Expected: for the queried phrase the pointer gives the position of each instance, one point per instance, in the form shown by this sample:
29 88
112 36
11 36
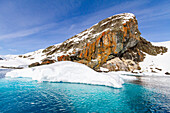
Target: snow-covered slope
25 59
159 63
13 61
67 71
18 61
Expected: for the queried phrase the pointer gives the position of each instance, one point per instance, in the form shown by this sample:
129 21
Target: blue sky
29 25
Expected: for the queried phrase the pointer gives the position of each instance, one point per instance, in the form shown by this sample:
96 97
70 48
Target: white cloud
13 50
78 27
90 19
27 32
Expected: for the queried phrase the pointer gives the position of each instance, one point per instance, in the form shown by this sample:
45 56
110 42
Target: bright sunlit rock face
68 72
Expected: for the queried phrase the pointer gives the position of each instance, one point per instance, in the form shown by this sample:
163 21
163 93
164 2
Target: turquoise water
24 95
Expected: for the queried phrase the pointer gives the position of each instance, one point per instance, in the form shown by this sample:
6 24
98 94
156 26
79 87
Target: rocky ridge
114 43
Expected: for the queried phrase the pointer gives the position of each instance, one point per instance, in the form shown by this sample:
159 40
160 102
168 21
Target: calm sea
23 95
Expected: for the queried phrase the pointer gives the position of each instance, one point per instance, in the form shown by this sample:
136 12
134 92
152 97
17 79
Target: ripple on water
25 95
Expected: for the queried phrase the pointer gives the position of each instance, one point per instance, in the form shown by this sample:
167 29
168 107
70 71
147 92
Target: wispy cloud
146 17
124 7
154 13
13 50
79 26
27 32
82 22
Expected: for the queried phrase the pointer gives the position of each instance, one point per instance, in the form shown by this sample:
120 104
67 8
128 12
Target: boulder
147 47
34 64
43 62
118 64
167 73
47 61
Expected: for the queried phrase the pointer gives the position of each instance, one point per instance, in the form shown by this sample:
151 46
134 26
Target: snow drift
67 71
160 64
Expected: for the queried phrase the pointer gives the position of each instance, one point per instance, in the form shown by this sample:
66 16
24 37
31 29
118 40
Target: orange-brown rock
47 61
114 37
105 46
34 64
44 62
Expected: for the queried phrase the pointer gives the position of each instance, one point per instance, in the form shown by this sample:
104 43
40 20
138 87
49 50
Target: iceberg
67 71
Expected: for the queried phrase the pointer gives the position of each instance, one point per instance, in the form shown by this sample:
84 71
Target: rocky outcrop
128 61
167 73
43 62
138 52
10 67
34 64
115 36
118 64
1 59
47 61
113 43
147 47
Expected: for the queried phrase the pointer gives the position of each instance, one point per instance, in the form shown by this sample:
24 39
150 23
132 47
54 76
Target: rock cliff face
113 43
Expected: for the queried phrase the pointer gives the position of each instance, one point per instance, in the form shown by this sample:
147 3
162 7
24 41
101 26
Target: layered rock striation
113 43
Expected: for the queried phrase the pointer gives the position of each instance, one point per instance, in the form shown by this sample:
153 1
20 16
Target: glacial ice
66 71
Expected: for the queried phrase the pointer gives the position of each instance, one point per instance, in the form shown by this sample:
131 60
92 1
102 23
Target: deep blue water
24 95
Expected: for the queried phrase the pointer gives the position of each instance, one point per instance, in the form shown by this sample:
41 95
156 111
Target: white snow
104 69
159 61
125 16
26 59
128 17
13 61
67 71
16 61
104 23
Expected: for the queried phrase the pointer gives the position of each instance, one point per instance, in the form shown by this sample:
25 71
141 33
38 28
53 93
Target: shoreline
6 67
